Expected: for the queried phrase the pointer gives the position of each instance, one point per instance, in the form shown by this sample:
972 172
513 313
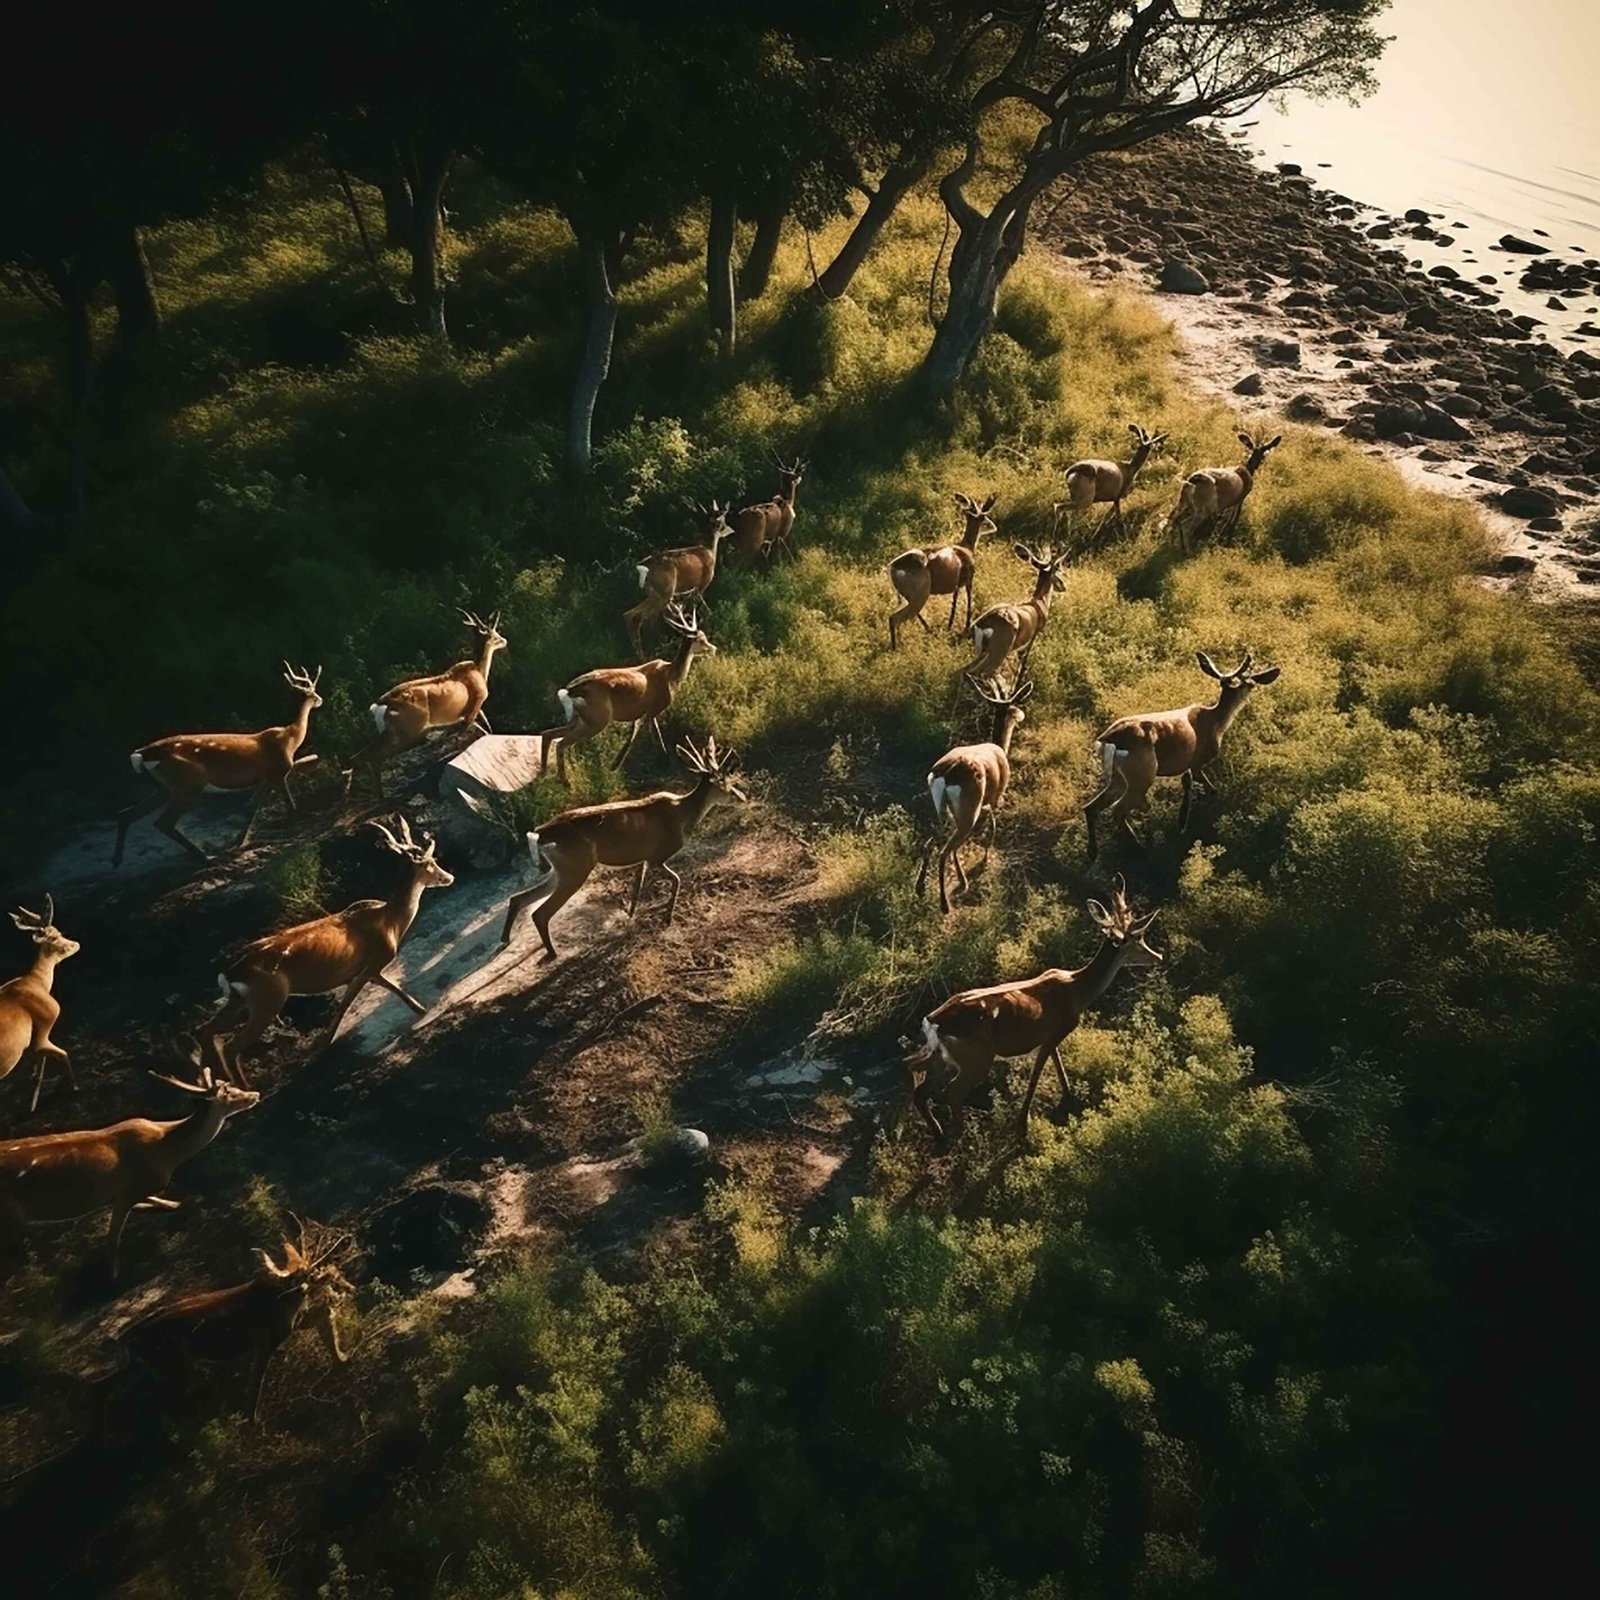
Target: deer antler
32 921
405 845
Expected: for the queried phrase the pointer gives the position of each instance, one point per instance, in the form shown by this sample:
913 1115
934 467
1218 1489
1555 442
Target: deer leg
1207 782
967 623
955 596
944 873
262 1363
130 815
546 738
288 794
638 884
672 899
661 738
1188 800
481 720
1111 794
988 843
633 733
548 908
1033 1085
258 798
233 1012
955 856
41 1056
346 1000
119 1220
1061 1071
167 822
384 981
517 904
904 614
927 857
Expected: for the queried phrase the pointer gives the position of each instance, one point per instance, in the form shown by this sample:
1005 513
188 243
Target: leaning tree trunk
756 273
128 268
884 201
600 301
426 173
720 298
397 222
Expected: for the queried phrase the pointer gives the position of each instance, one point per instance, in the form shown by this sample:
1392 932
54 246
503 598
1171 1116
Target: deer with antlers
641 833
968 783
1211 499
28 1010
760 528
1015 625
406 714
634 695
348 949
963 1037
253 1319
675 576
188 765
1094 482
55 1177
919 574
1135 751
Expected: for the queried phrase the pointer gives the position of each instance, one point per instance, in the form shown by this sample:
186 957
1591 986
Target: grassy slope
1213 1323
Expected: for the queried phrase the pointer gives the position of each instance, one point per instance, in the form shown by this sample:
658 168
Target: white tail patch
930 1034
533 847
945 795
568 710
644 577
380 715
139 764
1108 755
981 636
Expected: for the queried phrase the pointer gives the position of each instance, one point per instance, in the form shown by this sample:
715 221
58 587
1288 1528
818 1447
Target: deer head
791 473
1046 564
713 519
716 767
1258 449
418 854
976 513
489 635
1239 683
303 683
686 624
1123 929
41 928
215 1091
1145 444
1007 703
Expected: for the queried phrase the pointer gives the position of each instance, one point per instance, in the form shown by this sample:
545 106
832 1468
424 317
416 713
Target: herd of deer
125 1167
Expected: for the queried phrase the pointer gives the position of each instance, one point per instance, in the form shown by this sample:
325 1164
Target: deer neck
190 1136
1042 591
401 911
1247 472
1229 703
1092 981
1004 728
695 804
1130 467
43 970
301 726
789 493
973 534
679 670
486 660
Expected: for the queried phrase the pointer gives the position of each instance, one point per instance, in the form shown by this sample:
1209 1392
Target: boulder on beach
1250 383
1417 214
1509 241
1519 501
1178 277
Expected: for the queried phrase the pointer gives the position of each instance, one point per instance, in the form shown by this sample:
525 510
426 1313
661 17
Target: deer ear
1247 441
1266 675
988 505
1207 665
1274 443
1136 431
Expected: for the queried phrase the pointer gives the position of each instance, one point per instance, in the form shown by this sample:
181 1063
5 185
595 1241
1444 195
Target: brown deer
1094 482
634 695
963 1037
941 569
1211 499
187 765
1135 751
968 784
348 950
28 1010
1015 625
641 833
252 1319
758 528
406 714
675 576
55 1177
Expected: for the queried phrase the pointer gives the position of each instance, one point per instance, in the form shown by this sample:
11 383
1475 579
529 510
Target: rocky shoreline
1294 297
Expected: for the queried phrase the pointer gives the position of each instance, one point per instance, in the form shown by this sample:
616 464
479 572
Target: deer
347 949
634 695
1211 499
642 834
967 784
1135 751
1094 482
757 528
188 765
28 1010
963 1037
672 576
252 1319
1015 625
927 570
54 1177
406 714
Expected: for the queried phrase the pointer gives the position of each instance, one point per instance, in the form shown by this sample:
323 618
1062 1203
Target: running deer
634 695
963 1037
940 569
968 783
1094 482
251 1319
55 1177
1017 624
347 949
674 576
28 1010
188 765
641 833
1135 751
1211 499
756 529
409 712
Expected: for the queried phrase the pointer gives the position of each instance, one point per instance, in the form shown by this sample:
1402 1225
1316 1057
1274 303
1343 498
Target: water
1487 112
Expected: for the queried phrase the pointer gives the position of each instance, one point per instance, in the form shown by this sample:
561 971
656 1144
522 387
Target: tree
1101 76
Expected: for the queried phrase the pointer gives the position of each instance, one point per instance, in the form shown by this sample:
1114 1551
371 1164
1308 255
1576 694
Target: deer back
219 1324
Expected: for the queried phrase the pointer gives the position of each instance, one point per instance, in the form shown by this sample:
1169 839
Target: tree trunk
600 301
426 175
756 272
396 205
138 315
720 300
74 281
892 188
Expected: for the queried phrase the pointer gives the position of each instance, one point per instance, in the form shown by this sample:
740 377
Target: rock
1360 429
680 1153
1442 271
431 1229
1301 297
1556 305
1305 408
1487 277
1344 336
1250 383
1546 525
1178 277
1527 502
1484 470
1290 169
1510 564
1284 351
494 763
1509 241
1416 417
1460 405
1417 214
